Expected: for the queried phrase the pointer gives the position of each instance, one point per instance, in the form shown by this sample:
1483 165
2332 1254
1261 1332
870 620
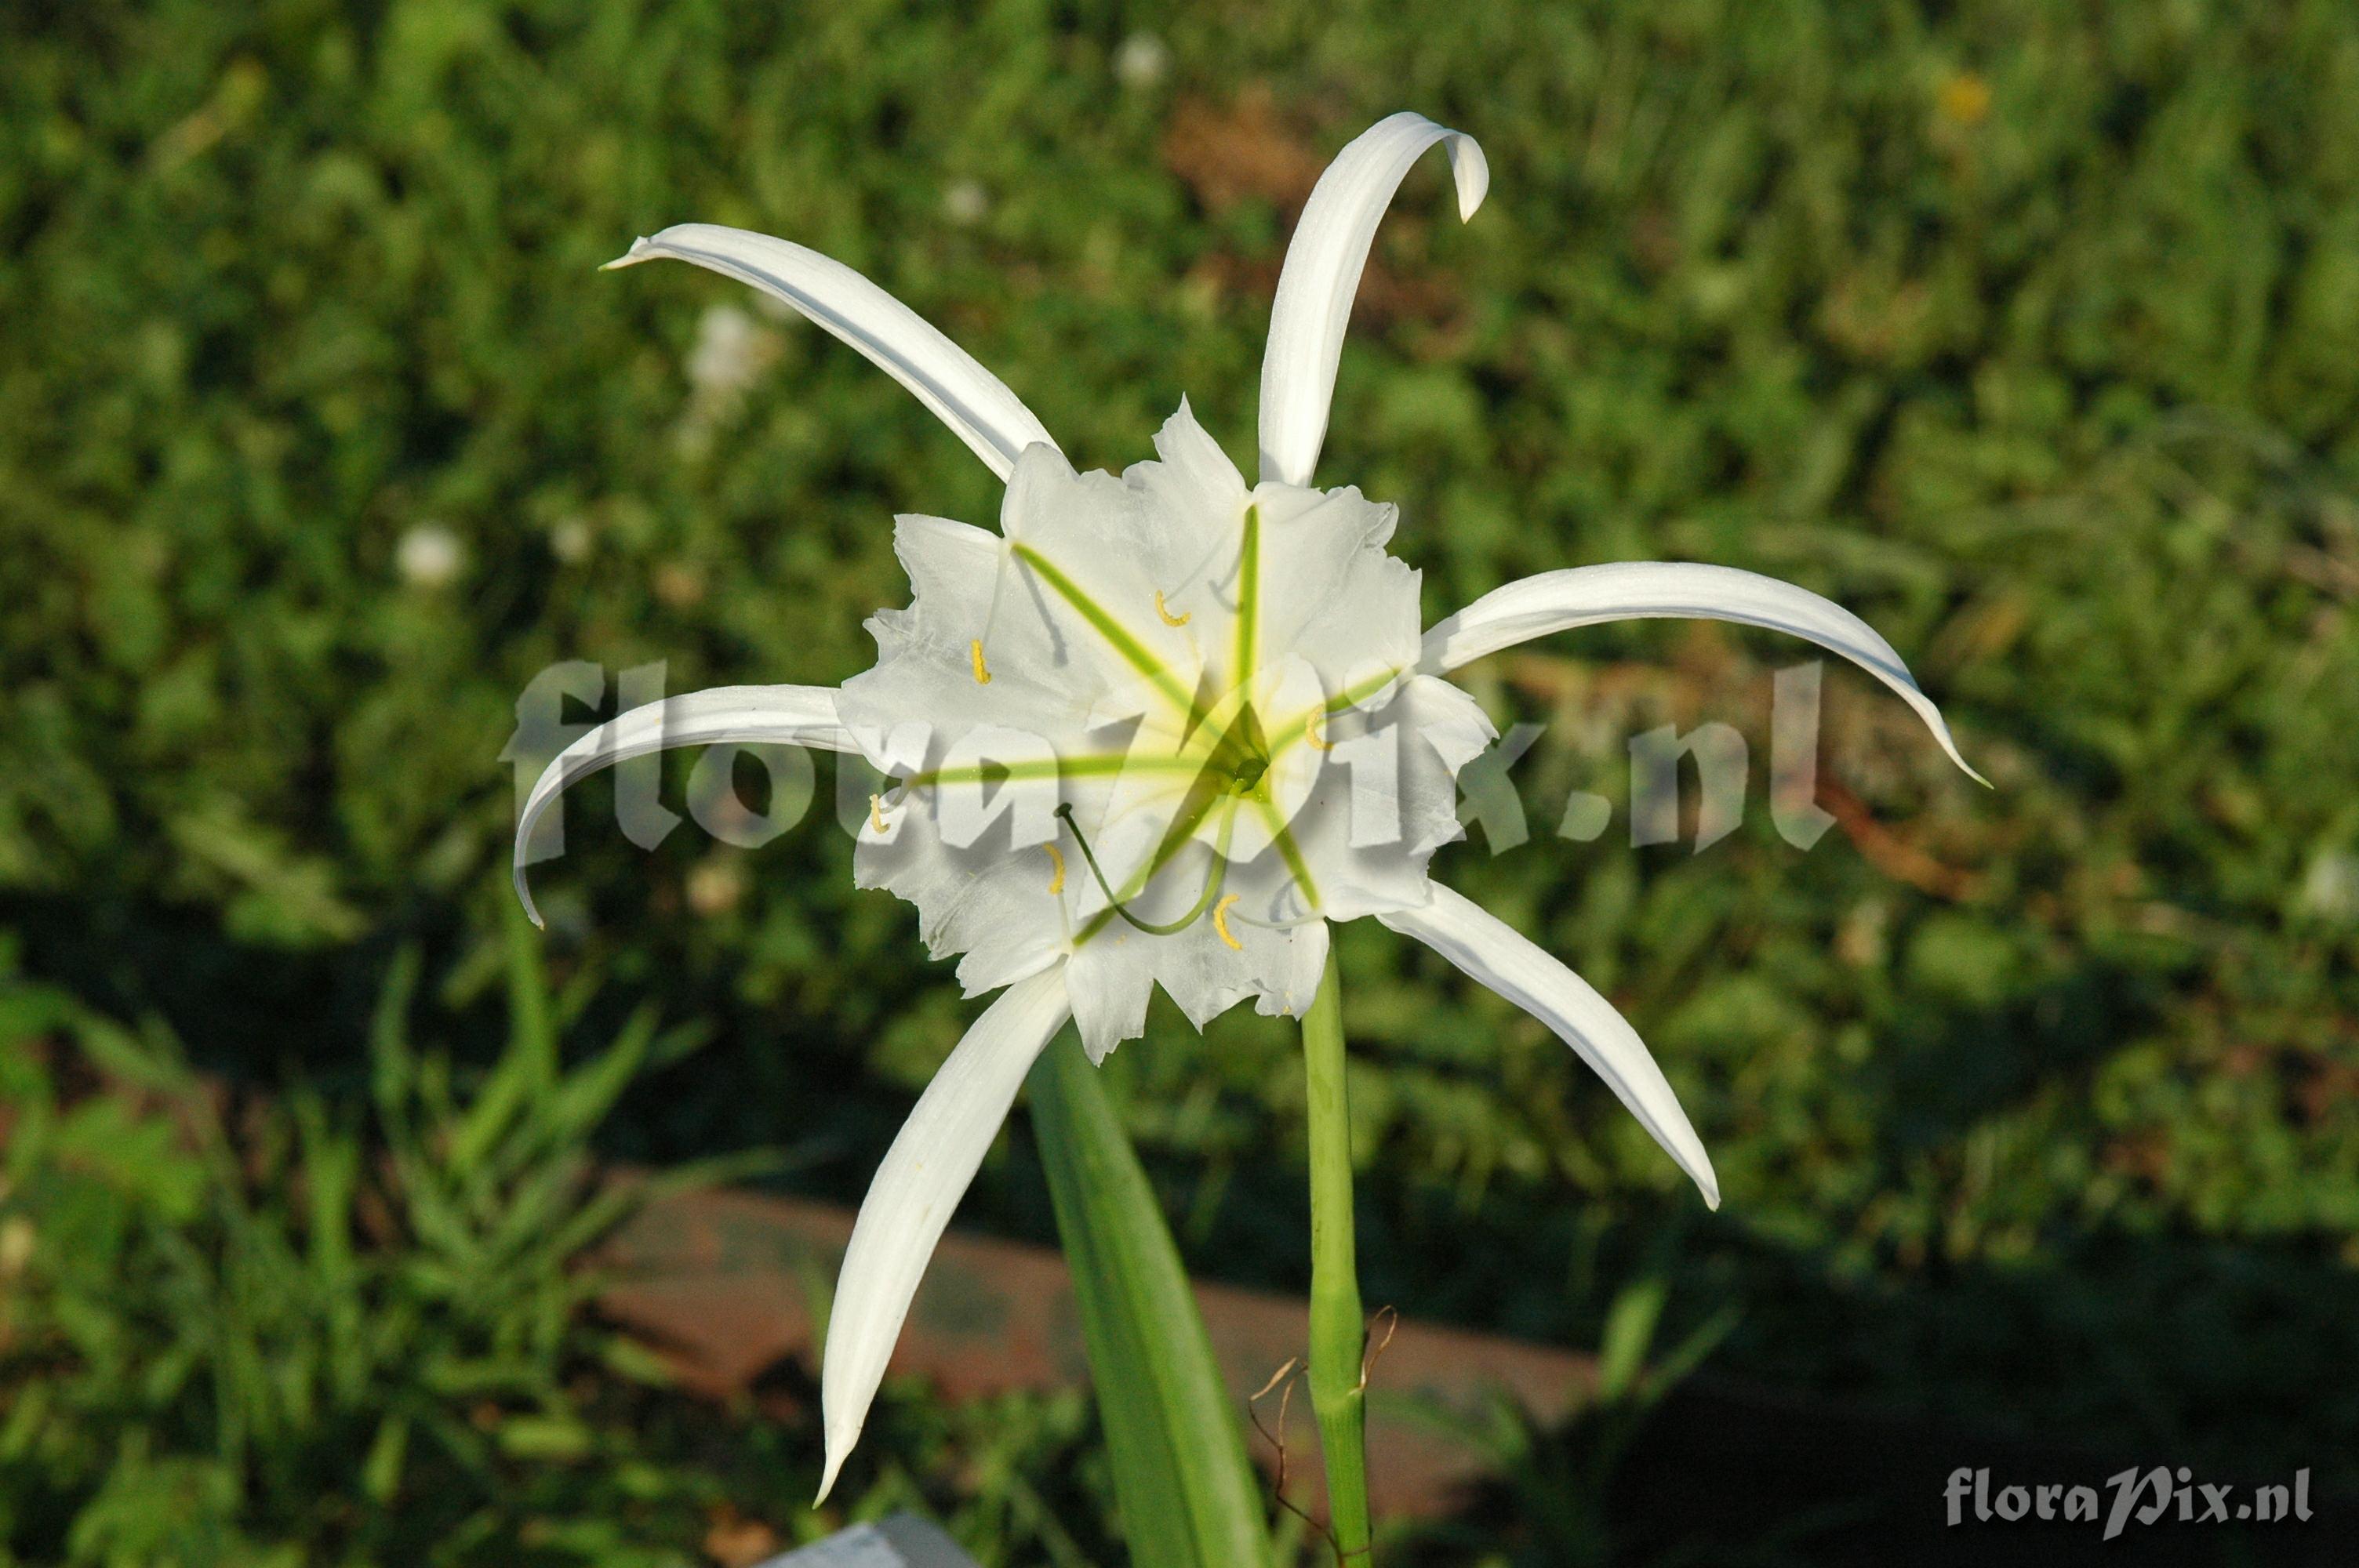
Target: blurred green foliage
267 1332
2024 327
248 1333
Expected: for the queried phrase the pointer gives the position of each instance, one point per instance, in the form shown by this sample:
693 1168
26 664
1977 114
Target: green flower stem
1338 1327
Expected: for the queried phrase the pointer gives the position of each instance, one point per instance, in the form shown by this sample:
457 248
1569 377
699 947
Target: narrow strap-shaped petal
1495 953
1636 590
925 1173
784 715
975 404
1322 273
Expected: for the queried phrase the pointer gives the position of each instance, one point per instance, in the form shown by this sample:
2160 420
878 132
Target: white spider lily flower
1159 730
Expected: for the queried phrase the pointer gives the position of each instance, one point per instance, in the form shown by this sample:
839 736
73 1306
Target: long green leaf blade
1189 1498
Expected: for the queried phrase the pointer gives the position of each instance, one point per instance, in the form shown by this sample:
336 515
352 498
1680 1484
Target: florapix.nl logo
2137 1497
552 716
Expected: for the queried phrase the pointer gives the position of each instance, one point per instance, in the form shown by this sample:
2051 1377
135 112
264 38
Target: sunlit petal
1495 953
780 715
924 1174
975 404
1634 591
1322 273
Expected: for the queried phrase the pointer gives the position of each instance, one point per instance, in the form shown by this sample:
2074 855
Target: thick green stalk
1338 1328
1189 1498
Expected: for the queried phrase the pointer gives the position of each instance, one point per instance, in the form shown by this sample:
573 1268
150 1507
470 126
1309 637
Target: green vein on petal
1288 850
1287 734
1133 653
1098 766
1248 598
1353 695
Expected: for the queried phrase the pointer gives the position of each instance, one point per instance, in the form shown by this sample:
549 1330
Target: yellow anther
876 816
1311 731
1056 884
982 670
1221 921
1169 619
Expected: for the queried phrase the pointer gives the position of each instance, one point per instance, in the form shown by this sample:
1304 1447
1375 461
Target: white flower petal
1497 954
1330 592
1196 482
1322 273
1348 607
928 1170
999 905
781 715
969 590
1633 590
975 404
1383 797
1110 979
1111 974
988 905
1088 546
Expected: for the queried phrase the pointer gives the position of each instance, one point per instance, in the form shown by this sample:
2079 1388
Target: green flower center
1238 762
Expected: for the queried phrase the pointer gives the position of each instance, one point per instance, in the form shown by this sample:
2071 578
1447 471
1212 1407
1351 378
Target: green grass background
2029 332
